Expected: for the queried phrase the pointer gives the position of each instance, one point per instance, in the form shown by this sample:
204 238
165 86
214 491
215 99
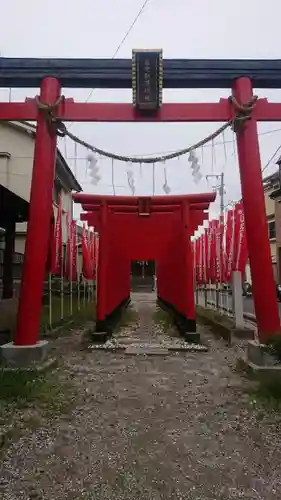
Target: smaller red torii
92 218
146 228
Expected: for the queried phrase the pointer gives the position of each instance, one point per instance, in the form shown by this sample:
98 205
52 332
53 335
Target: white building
17 141
16 160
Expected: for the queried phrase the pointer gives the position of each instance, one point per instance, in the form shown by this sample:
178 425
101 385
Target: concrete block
255 353
129 340
99 336
271 369
243 333
24 356
192 337
258 356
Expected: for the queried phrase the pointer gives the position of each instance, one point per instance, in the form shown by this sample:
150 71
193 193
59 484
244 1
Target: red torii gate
199 213
50 75
146 228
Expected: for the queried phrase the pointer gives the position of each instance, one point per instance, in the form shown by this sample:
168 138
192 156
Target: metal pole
219 188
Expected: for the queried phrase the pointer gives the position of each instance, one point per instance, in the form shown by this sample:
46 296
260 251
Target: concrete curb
227 332
251 317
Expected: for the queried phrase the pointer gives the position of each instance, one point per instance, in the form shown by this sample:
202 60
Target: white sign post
237 295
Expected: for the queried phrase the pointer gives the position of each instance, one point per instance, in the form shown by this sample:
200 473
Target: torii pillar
264 293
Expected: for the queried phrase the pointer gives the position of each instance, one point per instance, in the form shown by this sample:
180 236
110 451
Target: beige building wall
270 207
269 203
16 170
273 214
16 162
22 227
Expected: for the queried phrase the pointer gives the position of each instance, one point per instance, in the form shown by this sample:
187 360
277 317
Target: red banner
219 260
71 250
68 262
213 269
200 261
74 275
222 252
240 247
92 254
235 242
208 252
97 251
56 255
52 247
86 266
196 258
216 258
205 247
229 243
193 256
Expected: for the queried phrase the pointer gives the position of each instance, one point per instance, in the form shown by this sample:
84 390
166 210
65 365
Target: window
271 230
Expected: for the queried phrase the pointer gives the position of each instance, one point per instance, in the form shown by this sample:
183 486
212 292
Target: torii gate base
146 228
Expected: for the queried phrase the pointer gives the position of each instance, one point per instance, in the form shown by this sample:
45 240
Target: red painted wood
71 111
40 213
264 292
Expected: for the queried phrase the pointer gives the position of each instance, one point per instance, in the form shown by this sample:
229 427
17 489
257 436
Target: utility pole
220 188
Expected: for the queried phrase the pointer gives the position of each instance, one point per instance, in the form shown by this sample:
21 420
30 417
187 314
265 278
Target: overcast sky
183 29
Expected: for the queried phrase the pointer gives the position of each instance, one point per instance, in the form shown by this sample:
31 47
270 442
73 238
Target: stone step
150 348
147 350
132 340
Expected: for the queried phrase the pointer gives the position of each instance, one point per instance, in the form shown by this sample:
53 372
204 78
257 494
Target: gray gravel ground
174 427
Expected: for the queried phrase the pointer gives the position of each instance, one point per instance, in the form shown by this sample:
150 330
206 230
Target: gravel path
168 427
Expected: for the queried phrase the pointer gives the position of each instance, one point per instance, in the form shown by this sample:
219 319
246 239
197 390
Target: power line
271 158
124 38
130 28
220 143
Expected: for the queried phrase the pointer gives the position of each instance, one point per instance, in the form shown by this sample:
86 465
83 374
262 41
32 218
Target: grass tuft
69 322
27 398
